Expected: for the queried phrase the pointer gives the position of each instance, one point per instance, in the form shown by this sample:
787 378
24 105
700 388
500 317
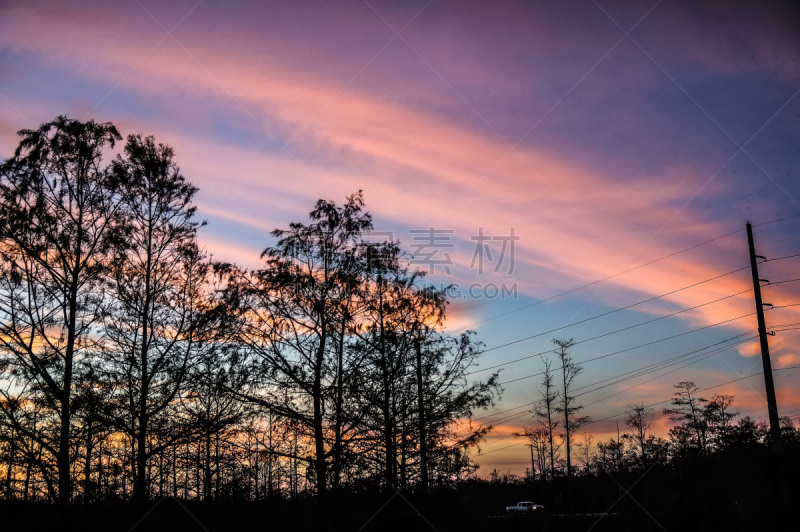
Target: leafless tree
546 413
567 405
640 418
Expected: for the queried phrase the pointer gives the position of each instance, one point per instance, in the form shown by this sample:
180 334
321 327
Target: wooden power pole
772 403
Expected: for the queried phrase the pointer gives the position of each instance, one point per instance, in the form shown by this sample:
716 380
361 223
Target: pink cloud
413 164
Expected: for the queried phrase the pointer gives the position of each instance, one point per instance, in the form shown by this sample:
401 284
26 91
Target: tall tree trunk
337 446
62 457
87 468
256 473
217 468
319 435
27 484
403 440
567 428
11 454
423 438
161 474
207 469
386 400
269 464
533 464
175 471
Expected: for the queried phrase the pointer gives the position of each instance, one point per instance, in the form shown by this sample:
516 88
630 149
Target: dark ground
472 506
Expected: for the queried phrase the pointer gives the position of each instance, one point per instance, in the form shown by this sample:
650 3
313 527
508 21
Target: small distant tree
567 405
586 453
538 443
640 418
609 454
545 413
690 412
719 418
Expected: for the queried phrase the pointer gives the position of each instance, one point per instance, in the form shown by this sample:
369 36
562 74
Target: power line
698 354
633 305
698 391
627 271
641 371
654 404
605 278
648 369
635 347
781 258
618 330
660 365
624 308
781 282
503 364
700 358
461 434
506 410
501 448
776 328
775 221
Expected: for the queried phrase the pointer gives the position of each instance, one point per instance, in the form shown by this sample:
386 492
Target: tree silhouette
545 412
689 409
155 284
640 418
567 405
58 209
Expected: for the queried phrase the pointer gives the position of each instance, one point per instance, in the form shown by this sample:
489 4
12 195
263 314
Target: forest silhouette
145 384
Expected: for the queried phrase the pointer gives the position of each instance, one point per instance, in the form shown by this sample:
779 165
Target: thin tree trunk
423 438
319 433
87 471
12 453
26 486
269 464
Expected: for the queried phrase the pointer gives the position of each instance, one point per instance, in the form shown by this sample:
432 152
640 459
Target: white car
524 506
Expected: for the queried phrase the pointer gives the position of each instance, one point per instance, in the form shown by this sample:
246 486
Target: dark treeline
714 471
133 366
319 390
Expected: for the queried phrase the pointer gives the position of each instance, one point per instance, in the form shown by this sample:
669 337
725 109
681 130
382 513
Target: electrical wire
636 347
605 278
698 355
639 303
626 271
698 391
619 330
625 307
640 372
658 403
699 359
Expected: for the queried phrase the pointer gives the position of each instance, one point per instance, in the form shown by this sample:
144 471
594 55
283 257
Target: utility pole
772 403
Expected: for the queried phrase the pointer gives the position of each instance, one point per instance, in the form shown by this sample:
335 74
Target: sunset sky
606 134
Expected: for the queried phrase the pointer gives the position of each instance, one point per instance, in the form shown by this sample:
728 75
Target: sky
625 144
